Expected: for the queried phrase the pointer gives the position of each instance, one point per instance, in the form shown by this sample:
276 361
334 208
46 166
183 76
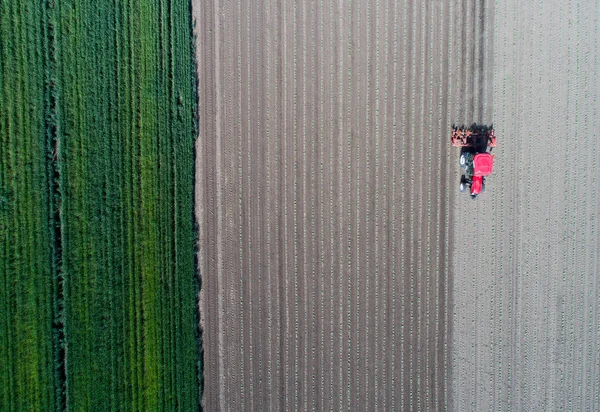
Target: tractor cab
483 163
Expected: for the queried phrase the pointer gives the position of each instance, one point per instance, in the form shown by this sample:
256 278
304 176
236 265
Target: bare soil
340 267
526 262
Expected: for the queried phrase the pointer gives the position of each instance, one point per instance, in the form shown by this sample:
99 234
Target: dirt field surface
323 193
341 268
526 269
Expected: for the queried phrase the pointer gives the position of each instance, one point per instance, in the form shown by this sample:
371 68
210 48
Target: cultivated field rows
526 332
323 198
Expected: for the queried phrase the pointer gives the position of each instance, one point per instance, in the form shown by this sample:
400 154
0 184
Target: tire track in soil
471 105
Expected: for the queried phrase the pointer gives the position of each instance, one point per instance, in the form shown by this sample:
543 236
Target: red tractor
475 159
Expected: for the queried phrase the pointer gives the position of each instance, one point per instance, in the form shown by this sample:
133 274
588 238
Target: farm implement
476 161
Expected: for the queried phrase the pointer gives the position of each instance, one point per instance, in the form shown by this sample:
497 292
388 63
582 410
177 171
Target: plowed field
341 268
325 183
526 262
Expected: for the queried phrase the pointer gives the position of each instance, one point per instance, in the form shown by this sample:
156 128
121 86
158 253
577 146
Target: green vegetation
96 206
26 235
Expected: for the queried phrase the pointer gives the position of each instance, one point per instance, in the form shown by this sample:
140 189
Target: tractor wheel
463 161
483 188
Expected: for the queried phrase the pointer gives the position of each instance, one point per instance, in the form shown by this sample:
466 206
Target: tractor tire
483 188
463 161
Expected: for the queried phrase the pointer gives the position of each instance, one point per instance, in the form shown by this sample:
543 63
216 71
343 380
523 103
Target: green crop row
98 294
26 235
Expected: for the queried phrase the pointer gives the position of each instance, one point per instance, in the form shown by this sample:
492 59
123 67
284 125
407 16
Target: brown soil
526 267
332 273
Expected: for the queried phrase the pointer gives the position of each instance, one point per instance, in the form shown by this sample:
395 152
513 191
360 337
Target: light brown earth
526 266
338 268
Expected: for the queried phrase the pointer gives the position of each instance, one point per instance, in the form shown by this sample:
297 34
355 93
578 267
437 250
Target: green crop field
98 287
27 269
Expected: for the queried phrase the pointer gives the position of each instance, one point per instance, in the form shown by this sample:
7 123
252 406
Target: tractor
476 159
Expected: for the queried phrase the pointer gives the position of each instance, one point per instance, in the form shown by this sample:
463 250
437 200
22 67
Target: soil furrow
327 212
